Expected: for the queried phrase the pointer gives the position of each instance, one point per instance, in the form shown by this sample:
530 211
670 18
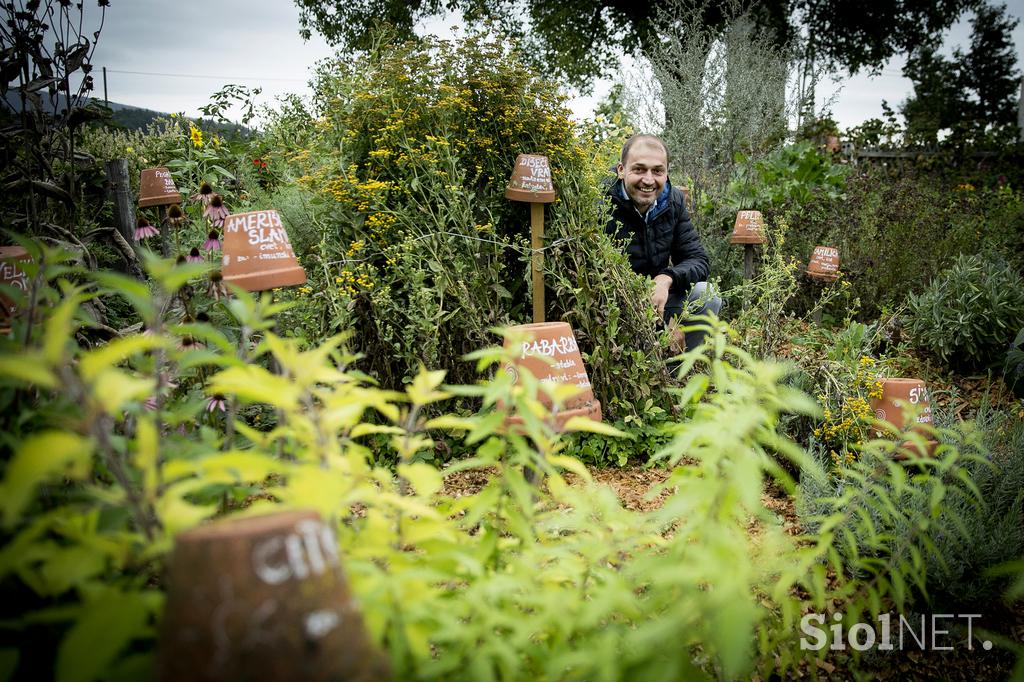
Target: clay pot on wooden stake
257 254
549 352
157 188
531 182
824 264
262 598
823 268
748 230
13 276
899 398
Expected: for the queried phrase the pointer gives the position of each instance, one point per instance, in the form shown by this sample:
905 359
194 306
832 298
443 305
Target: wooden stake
165 232
748 261
537 243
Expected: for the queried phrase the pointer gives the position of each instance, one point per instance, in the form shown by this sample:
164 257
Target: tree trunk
117 175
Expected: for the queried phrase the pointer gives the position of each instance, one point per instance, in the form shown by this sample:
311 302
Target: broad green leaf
253 384
60 328
29 367
422 389
570 463
104 629
39 458
70 566
424 478
366 429
450 422
116 352
134 291
178 514
147 450
113 388
587 424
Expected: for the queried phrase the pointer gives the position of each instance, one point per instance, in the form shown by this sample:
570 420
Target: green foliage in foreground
103 464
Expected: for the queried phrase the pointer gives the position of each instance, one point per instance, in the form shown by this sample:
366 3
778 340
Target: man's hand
659 297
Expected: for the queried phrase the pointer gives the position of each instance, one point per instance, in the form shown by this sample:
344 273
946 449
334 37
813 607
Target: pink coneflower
150 403
175 216
194 256
212 242
216 211
217 401
215 288
144 230
204 194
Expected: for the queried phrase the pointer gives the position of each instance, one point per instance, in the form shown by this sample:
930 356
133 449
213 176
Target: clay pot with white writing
257 254
824 264
903 400
13 276
549 352
531 180
157 188
262 598
748 228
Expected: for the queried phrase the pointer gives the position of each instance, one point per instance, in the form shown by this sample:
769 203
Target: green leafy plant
969 314
408 236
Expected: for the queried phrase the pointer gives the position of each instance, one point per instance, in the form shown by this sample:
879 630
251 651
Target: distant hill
133 117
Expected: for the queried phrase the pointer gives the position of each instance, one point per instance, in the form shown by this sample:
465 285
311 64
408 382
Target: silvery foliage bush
969 314
719 99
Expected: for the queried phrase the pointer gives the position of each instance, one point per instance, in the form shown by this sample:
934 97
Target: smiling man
651 217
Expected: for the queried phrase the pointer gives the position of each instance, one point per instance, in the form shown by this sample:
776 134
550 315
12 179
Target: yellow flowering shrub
847 418
406 155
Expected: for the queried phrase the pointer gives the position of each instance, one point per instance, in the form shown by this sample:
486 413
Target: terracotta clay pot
749 228
549 352
899 395
12 276
824 264
531 180
157 188
262 598
257 254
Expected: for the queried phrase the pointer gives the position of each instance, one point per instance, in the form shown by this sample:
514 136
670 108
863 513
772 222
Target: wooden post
165 231
748 261
117 176
537 243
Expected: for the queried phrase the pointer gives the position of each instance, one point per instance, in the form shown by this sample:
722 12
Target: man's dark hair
643 138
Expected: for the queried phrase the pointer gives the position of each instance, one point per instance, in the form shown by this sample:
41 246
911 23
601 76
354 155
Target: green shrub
969 314
953 547
410 242
895 233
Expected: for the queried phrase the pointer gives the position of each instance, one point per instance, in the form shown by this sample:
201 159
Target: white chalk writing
309 550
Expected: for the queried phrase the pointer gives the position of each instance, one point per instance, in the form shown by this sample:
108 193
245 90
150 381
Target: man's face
644 173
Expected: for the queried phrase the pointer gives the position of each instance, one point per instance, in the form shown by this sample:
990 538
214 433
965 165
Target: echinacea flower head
194 256
215 288
204 194
216 211
175 216
144 230
212 242
180 259
217 401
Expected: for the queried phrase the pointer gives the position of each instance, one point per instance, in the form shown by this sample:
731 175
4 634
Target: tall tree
579 40
970 92
990 68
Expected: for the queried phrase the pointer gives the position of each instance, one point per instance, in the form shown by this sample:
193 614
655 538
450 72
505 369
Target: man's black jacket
663 242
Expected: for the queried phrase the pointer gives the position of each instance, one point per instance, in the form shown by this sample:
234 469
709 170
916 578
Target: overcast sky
171 56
